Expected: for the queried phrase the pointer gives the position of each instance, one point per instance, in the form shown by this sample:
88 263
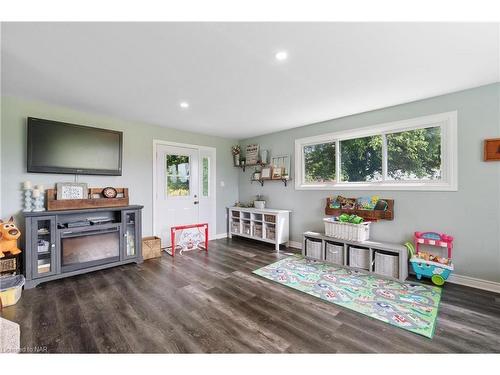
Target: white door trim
213 216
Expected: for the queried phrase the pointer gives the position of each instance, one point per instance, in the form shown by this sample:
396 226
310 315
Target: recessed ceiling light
184 105
281 55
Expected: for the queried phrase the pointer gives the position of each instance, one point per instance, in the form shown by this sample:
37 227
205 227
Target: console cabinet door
44 248
131 234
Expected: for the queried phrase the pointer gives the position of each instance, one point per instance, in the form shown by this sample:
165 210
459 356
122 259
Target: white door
185 189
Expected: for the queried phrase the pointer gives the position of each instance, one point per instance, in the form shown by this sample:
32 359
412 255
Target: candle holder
28 200
38 201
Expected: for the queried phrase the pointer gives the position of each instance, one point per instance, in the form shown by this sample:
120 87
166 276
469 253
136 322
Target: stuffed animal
8 238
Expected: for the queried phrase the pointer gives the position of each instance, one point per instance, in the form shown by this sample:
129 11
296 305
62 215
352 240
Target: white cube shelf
267 225
384 258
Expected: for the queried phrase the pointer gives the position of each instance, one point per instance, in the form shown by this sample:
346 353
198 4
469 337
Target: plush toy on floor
8 237
427 264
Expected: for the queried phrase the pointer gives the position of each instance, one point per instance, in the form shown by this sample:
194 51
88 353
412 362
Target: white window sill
410 186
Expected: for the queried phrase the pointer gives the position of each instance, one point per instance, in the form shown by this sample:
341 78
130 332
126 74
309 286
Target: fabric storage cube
236 213
270 218
387 264
235 227
270 232
334 253
313 249
257 230
246 228
359 257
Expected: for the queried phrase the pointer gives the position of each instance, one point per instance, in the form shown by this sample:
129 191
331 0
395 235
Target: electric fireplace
87 248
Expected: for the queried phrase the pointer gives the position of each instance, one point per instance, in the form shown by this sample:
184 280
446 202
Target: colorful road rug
413 307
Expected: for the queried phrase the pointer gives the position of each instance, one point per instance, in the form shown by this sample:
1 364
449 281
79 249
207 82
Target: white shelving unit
267 225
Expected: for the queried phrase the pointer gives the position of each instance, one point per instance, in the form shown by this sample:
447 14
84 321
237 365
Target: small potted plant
236 151
259 202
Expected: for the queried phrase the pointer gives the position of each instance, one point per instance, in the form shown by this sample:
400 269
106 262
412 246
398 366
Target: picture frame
277 173
252 154
492 149
266 173
72 190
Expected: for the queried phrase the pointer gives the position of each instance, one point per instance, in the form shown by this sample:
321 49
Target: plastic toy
429 265
9 235
353 219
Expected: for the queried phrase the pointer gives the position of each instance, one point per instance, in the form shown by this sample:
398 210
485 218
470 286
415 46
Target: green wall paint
137 158
472 214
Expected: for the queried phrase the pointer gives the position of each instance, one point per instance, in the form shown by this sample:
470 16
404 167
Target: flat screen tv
57 147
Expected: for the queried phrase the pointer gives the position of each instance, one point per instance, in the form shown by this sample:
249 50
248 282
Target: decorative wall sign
265 173
252 154
277 173
492 149
72 190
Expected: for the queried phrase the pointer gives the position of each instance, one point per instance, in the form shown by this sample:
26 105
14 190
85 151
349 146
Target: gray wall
472 214
137 158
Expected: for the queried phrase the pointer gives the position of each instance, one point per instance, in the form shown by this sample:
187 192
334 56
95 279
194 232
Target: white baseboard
295 244
219 236
472 282
491 286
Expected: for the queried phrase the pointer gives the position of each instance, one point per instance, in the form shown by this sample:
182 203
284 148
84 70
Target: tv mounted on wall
58 147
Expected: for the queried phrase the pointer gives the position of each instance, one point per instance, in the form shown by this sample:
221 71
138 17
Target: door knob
196 202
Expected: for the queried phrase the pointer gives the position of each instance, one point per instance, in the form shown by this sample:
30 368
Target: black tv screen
57 147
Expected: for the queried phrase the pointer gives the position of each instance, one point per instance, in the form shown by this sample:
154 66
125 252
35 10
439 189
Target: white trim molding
449 155
295 245
219 236
473 282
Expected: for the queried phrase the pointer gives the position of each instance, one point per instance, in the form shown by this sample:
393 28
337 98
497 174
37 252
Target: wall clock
109 192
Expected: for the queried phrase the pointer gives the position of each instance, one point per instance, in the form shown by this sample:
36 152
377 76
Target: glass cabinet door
44 251
130 245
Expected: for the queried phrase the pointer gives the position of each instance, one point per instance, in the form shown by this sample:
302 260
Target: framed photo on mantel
72 190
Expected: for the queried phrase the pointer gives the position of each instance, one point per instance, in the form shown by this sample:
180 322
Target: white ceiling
228 74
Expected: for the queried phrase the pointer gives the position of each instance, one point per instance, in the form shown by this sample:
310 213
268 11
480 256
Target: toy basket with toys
437 268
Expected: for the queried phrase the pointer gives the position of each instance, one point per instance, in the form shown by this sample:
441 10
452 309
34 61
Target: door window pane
414 154
205 176
361 159
177 171
319 163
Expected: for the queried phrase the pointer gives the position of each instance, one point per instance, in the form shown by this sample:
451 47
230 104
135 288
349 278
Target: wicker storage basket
334 253
7 265
313 248
347 231
387 264
359 257
151 247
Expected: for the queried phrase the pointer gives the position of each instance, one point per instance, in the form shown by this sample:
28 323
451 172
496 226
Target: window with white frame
414 154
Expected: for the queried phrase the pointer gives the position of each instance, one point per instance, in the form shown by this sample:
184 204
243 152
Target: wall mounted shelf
284 180
244 166
373 215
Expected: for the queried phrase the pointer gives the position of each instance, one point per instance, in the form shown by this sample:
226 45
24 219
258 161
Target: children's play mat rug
413 307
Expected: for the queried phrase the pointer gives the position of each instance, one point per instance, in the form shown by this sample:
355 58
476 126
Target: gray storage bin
313 249
334 253
387 264
359 257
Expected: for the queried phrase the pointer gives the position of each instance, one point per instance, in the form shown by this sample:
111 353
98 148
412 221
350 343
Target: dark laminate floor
212 303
